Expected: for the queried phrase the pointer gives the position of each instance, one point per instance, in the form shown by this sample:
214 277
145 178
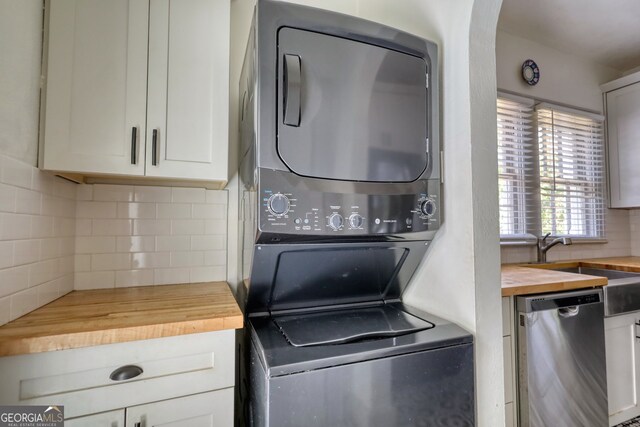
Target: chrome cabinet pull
126 372
291 90
134 145
154 148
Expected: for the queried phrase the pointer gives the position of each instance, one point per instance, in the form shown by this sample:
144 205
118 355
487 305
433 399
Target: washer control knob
278 204
427 208
356 220
336 221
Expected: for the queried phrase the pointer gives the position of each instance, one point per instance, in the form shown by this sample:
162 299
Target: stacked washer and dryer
340 191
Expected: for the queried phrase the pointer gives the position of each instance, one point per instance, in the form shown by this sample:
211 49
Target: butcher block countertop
108 316
524 279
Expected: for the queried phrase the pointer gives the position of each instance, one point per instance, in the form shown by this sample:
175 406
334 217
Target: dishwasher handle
567 312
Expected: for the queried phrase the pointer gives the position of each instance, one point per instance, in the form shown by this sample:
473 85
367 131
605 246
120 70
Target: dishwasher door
561 360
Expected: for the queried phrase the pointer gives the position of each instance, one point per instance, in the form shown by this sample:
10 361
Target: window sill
506 242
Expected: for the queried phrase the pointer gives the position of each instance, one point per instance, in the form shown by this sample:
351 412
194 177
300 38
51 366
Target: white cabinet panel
214 409
623 137
509 415
96 86
106 419
508 370
506 316
623 365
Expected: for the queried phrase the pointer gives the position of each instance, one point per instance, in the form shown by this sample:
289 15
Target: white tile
84 192
66 264
208 274
151 227
15 226
49 248
64 188
112 227
188 195
66 285
41 181
6 254
7 198
217 196
26 251
173 210
23 302
95 244
101 262
187 259
49 205
14 280
152 194
134 278
215 226
15 172
206 242
136 210
209 211
83 227
66 208
113 193
82 263
47 292
136 244
42 271
64 227
187 227
150 260
67 246
170 276
5 310
215 257
95 209
95 280
172 243
28 201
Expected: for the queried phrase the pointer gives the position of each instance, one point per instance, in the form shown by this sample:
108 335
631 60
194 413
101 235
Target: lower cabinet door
623 363
213 409
105 419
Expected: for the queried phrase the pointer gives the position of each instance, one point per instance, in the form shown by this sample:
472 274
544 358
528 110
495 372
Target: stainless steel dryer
340 191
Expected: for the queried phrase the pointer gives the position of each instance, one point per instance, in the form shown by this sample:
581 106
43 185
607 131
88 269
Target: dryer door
349 110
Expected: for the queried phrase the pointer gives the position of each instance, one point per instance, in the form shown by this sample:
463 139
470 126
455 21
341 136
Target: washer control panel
288 209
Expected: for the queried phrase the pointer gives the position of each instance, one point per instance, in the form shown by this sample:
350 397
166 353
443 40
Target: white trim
568 110
529 102
621 82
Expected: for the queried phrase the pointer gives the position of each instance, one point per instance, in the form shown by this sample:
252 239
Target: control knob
278 204
336 221
356 221
427 208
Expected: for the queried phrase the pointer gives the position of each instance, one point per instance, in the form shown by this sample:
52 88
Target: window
551 171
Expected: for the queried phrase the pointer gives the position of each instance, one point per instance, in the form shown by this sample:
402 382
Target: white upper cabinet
622 101
137 88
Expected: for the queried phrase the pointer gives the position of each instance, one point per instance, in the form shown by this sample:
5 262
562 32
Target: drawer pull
125 373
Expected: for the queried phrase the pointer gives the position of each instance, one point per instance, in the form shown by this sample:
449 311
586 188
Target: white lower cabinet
508 348
623 367
185 380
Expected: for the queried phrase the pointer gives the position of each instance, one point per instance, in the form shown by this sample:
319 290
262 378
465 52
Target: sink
622 293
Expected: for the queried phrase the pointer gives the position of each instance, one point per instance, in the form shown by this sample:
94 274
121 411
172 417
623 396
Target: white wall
564 78
20 55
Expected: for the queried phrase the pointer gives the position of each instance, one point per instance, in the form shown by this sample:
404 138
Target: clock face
530 72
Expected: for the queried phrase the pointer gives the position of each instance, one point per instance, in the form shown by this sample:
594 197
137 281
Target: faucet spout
543 247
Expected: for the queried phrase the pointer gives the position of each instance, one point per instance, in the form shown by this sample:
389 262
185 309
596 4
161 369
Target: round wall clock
530 72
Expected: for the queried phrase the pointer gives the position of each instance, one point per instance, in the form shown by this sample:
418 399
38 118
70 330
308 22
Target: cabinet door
96 86
106 419
623 136
623 367
188 89
214 409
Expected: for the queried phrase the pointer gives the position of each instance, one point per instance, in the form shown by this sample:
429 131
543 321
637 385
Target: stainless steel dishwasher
561 360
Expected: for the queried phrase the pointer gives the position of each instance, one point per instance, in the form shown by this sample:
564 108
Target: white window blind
517 169
571 159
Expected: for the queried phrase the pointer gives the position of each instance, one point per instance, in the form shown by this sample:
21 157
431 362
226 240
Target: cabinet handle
134 145
292 90
154 148
138 424
125 373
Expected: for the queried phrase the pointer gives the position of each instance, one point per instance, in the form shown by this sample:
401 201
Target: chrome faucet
543 247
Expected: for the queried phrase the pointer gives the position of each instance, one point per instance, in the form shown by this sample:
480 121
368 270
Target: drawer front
106 419
80 379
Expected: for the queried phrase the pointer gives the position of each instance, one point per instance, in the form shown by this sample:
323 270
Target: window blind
571 162
517 169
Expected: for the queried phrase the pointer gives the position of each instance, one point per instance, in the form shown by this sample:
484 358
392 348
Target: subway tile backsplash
140 235
37 228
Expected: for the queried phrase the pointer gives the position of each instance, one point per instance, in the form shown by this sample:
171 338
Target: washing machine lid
346 325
